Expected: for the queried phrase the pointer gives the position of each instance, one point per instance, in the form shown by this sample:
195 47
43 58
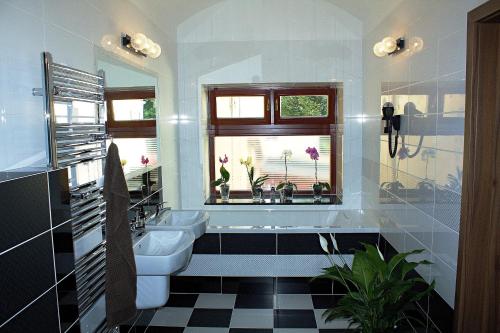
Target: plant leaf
224 173
217 182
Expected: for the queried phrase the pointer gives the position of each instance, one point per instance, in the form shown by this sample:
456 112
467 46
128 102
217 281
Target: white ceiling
168 14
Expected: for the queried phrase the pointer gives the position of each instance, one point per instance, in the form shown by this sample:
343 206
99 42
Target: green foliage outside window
149 109
304 106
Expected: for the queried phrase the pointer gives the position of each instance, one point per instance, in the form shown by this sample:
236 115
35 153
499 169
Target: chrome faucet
160 208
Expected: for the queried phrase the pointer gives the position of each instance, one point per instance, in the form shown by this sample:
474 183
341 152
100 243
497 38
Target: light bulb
146 46
416 44
155 51
138 41
379 50
390 44
108 42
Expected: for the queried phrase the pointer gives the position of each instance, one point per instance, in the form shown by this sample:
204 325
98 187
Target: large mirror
131 113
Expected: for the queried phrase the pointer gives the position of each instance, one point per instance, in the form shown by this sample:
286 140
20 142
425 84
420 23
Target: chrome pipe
50 116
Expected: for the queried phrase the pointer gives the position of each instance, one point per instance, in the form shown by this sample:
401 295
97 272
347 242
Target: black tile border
209 243
249 285
40 316
248 243
27 273
24 209
195 284
279 243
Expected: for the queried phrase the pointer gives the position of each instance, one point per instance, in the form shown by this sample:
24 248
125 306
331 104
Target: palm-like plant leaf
379 292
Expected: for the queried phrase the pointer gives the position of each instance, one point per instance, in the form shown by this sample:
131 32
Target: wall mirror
131 113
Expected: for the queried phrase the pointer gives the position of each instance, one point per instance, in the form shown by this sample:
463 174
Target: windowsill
298 200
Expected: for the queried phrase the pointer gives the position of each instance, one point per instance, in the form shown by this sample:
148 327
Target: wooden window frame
225 92
129 128
291 127
330 117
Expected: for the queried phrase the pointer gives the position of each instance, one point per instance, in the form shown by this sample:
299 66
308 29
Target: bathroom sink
158 254
163 252
193 220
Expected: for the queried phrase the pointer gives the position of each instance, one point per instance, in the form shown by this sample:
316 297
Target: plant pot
287 193
317 192
257 194
224 192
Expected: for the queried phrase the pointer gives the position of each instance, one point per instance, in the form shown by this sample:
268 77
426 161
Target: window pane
134 109
132 149
240 106
304 106
266 154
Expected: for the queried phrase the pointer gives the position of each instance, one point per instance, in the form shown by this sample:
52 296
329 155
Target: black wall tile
303 285
195 284
63 250
207 244
440 313
41 316
248 285
24 208
301 244
248 243
59 196
349 242
68 301
27 272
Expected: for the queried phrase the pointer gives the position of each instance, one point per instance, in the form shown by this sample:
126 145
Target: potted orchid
224 178
255 184
317 186
286 188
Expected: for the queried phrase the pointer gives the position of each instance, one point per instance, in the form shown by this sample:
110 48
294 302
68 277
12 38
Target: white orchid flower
324 243
334 241
287 153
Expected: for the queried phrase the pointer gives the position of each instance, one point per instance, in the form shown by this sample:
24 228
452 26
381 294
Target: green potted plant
224 178
255 184
317 186
286 188
379 293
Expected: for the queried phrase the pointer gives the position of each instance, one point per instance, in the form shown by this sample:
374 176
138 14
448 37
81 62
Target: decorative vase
317 192
287 193
257 194
224 192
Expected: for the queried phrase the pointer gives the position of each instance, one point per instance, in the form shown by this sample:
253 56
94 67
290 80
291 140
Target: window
131 112
261 123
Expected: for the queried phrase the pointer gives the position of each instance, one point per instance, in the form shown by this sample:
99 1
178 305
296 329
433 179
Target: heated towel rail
74 110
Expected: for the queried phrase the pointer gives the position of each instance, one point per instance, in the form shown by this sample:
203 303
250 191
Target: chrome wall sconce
389 46
141 45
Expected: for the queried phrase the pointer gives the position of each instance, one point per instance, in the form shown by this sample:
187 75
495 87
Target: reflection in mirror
433 119
131 113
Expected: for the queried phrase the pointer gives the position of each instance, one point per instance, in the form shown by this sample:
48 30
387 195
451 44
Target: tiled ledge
293 229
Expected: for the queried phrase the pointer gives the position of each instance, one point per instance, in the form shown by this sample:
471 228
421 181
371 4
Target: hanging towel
121 278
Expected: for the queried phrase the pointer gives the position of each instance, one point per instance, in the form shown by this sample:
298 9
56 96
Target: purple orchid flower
313 153
144 160
225 160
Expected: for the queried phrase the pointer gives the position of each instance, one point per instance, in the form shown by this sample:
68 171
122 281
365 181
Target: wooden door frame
477 299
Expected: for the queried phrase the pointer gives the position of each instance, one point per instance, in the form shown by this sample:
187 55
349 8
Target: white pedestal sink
193 220
158 254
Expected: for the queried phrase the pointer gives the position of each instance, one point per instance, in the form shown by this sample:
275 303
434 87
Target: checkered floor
245 313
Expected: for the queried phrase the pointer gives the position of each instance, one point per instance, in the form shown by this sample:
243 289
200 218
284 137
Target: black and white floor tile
245 313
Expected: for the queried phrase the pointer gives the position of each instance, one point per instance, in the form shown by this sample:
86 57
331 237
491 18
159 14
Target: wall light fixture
141 45
388 46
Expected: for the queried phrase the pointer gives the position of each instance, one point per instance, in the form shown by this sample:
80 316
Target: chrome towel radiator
74 110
